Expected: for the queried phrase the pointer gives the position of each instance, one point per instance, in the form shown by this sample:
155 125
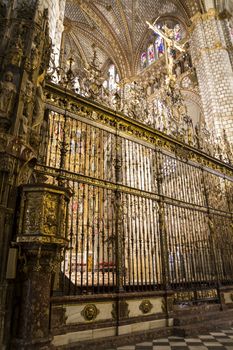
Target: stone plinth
41 236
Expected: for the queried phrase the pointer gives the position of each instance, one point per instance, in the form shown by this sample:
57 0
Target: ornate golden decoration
90 312
196 18
145 306
207 294
127 126
200 294
184 296
182 153
209 15
43 214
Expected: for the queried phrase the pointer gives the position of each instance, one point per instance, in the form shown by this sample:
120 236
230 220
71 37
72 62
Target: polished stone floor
221 340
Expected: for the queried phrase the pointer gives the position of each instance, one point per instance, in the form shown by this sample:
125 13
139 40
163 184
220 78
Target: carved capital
200 18
196 18
210 14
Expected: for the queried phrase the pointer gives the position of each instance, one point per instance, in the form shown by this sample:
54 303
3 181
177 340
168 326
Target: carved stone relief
90 312
145 306
7 97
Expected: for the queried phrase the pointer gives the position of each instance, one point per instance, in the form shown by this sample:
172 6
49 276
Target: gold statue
170 44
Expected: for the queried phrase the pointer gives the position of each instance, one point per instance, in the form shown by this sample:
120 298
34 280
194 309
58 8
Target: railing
148 212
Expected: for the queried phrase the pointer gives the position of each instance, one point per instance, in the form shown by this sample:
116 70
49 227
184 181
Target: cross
170 42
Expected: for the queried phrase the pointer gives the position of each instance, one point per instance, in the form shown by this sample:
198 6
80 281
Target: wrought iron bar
162 226
153 231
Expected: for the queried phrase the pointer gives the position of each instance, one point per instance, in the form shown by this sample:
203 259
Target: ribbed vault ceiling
117 28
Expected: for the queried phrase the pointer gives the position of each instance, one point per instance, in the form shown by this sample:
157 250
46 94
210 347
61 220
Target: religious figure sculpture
23 127
171 38
27 99
35 54
15 53
7 95
39 104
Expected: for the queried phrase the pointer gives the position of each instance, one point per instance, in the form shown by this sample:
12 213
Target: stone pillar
42 235
24 56
211 56
162 226
56 12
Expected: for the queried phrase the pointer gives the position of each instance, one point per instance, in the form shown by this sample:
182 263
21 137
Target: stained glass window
159 46
113 78
151 54
156 49
177 32
143 60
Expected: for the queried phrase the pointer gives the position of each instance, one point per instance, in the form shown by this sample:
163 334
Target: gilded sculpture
169 36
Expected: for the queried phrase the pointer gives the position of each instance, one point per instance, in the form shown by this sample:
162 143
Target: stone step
218 321
203 308
195 318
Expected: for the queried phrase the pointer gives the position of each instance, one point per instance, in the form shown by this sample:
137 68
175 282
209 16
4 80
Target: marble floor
221 340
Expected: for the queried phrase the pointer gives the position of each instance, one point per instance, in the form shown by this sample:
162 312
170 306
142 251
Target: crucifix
170 44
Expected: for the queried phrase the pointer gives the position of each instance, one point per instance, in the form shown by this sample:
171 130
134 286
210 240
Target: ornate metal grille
147 213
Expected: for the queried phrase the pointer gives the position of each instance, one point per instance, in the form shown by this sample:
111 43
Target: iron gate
147 213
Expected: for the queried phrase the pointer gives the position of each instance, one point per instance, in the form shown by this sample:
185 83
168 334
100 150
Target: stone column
211 56
24 56
41 237
56 13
